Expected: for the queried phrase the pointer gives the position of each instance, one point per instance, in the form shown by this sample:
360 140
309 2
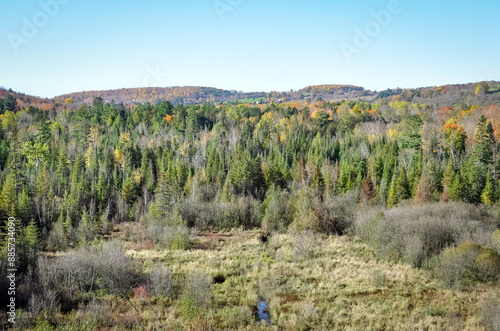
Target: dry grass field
308 282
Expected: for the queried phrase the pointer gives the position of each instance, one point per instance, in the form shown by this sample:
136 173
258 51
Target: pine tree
476 182
30 243
130 190
163 196
4 153
399 188
25 207
488 195
456 188
392 198
101 189
8 204
485 141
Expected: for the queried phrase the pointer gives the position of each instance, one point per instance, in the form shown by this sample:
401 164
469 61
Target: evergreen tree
10 104
398 190
8 203
488 195
485 141
456 188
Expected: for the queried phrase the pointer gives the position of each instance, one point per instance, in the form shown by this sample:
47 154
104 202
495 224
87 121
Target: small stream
262 312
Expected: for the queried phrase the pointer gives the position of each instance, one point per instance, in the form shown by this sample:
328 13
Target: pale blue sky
257 45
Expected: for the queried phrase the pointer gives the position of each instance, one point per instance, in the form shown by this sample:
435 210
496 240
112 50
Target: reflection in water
263 313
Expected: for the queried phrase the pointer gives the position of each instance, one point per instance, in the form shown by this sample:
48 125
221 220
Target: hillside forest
417 183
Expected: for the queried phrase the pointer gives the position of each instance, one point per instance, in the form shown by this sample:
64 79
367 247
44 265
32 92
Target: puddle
219 279
262 312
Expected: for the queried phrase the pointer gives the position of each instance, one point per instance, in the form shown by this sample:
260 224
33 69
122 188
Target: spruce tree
8 203
488 195
456 188
398 190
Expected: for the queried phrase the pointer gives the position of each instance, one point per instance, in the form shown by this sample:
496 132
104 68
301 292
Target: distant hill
24 100
197 94
187 95
483 93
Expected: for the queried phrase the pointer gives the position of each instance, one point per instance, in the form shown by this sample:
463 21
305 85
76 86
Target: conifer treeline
67 175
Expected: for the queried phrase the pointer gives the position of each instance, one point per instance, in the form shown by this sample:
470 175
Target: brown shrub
491 312
416 233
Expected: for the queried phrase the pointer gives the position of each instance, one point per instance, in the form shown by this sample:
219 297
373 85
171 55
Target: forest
188 217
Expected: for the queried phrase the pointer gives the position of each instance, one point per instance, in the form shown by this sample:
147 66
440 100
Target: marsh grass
339 285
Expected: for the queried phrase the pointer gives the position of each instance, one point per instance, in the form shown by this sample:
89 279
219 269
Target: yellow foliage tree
169 119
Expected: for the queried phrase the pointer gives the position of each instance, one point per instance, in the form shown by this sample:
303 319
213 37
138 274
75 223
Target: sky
52 47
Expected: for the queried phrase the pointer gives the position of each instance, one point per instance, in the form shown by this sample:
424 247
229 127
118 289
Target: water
263 313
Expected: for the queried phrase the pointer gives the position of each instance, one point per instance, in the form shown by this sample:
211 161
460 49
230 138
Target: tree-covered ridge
199 95
483 93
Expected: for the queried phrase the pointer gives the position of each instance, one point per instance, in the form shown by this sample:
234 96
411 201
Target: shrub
337 213
97 314
57 238
467 263
456 264
416 233
161 282
379 278
181 239
274 207
141 292
488 264
117 272
88 269
491 312
49 291
235 317
171 233
197 294
302 207
305 243
81 266
495 240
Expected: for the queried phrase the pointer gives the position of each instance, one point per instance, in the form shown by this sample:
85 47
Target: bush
197 294
181 239
49 289
274 207
57 238
495 240
305 243
416 233
161 282
469 262
171 233
88 269
97 314
337 213
456 264
491 312
488 264
117 272
235 317
303 206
